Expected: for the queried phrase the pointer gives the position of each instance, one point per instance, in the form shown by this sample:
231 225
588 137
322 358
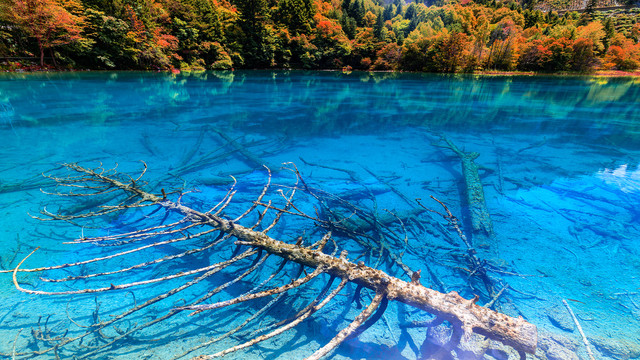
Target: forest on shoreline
431 36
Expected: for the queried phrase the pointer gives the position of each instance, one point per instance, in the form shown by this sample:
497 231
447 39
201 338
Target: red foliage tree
534 56
48 21
623 54
151 42
388 57
561 53
620 58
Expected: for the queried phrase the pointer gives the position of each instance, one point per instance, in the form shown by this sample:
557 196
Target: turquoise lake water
558 162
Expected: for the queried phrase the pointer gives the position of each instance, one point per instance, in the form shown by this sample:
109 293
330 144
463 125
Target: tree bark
41 52
53 58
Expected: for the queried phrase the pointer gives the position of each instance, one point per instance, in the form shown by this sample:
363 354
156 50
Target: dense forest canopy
437 36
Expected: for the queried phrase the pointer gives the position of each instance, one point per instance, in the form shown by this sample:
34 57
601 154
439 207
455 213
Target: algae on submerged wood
481 224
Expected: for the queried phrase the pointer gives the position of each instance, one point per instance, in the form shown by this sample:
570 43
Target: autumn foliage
50 23
434 36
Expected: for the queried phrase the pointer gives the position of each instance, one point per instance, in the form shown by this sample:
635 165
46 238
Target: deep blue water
558 160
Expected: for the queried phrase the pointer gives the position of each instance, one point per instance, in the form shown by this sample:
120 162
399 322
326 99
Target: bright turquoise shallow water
558 162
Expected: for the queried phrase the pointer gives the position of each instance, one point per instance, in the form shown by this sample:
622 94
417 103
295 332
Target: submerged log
480 218
250 158
361 225
515 332
464 315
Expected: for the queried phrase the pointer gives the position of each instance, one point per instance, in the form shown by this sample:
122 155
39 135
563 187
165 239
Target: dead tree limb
480 217
360 221
465 316
575 321
251 158
349 330
478 266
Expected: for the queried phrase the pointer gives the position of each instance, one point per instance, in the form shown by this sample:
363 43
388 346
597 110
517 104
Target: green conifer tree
610 31
398 4
296 15
253 15
377 28
388 12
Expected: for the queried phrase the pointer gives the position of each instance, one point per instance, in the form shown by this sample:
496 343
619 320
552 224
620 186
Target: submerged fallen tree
465 316
480 218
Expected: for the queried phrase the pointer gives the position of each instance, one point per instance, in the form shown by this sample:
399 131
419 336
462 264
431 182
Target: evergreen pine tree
411 12
587 15
398 4
356 11
377 28
610 31
349 26
388 12
252 18
295 15
346 5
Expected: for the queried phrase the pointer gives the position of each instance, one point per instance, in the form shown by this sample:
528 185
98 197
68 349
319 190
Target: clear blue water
558 162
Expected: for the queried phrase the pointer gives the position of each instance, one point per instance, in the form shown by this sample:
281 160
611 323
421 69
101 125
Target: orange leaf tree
47 21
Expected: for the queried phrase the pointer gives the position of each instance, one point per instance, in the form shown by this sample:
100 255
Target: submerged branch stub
465 315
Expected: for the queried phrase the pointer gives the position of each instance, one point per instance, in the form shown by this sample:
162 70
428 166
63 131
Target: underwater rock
560 319
556 352
498 351
437 337
622 349
557 347
550 347
473 348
